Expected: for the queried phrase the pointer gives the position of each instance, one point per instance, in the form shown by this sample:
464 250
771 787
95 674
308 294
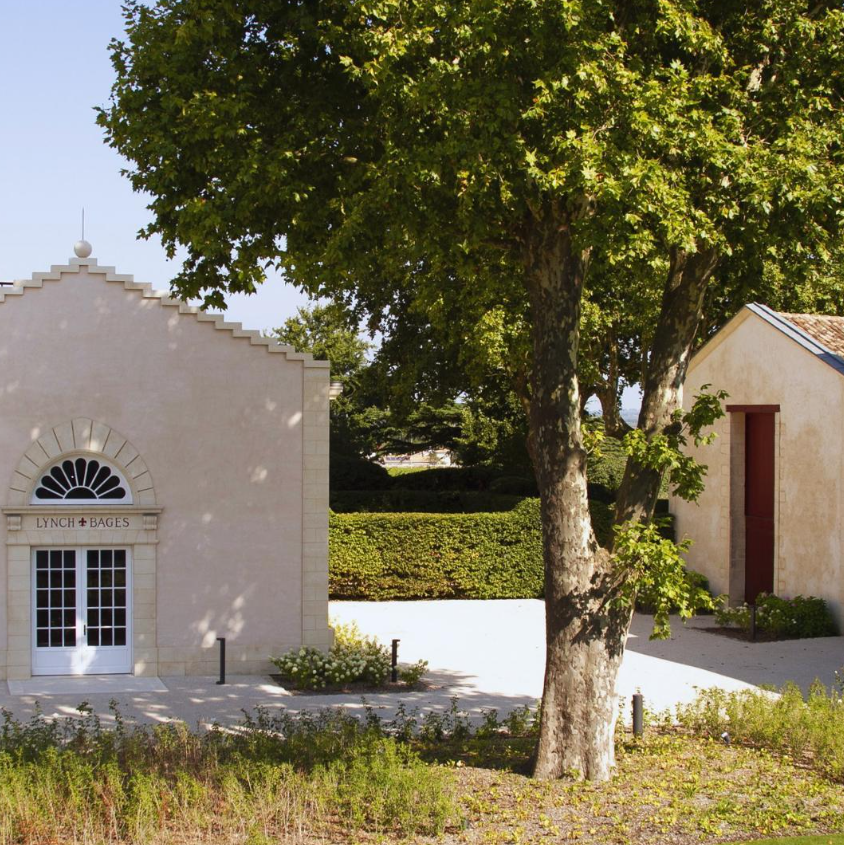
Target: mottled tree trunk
585 635
583 646
682 305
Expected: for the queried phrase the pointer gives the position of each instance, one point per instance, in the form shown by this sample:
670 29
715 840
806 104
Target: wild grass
330 777
807 728
292 778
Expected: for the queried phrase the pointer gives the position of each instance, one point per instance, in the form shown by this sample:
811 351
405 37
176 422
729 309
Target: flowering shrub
412 674
802 616
353 657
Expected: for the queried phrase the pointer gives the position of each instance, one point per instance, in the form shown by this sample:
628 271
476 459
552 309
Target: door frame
734 512
42 526
41 654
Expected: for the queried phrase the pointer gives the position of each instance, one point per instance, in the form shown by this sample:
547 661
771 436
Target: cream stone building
770 519
166 483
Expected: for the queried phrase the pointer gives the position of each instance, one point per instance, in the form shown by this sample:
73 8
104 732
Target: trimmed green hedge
393 556
448 478
607 468
348 473
420 501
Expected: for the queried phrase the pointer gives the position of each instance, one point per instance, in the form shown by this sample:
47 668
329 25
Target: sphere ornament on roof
82 248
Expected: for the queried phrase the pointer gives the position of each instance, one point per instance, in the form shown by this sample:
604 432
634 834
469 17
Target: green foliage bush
518 485
605 466
353 473
352 658
447 478
420 501
787 619
605 469
426 556
417 487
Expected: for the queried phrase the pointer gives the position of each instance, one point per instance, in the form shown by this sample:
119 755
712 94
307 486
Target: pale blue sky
54 68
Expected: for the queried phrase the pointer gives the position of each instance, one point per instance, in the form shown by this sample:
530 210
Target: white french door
81 611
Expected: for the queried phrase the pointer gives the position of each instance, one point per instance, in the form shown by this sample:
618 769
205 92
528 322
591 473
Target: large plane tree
451 170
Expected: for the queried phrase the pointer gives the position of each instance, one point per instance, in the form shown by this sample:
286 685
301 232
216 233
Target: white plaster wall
758 365
218 422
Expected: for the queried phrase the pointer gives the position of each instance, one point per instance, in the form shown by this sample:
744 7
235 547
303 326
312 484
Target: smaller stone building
771 516
166 483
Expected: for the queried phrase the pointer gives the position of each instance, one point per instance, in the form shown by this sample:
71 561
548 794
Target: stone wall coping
29 510
164 298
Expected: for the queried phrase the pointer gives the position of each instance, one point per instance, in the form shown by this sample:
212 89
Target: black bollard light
753 623
222 642
394 672
638 714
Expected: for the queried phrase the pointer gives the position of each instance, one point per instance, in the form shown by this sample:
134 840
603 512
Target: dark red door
759 505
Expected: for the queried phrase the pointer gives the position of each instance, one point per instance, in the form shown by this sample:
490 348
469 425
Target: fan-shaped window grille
76 480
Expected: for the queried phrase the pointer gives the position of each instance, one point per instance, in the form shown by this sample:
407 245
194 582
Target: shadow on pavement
771 663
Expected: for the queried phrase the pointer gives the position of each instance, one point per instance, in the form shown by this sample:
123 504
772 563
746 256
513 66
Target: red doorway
759 505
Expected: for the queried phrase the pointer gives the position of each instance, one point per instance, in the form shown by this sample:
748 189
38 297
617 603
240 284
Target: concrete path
488 654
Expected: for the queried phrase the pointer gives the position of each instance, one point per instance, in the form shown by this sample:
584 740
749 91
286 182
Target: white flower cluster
352 658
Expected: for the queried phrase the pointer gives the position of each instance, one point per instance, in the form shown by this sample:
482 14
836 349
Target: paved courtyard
489 654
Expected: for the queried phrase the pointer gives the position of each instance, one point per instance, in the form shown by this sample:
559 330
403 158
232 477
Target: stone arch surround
25 531
80 435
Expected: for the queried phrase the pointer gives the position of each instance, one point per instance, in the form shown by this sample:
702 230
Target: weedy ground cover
331 778
809 729
823 839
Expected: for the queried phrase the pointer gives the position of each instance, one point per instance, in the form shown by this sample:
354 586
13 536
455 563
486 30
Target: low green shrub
400 470
787 619
517 485
389 556
606 465
354 473
383 786
447 478
411 674
420 501
809 729
600 493
604 471
352 658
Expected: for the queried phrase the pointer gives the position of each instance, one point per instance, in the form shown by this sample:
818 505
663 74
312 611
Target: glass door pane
106 597
55 598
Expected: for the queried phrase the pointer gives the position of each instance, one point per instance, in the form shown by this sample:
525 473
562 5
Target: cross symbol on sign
83 522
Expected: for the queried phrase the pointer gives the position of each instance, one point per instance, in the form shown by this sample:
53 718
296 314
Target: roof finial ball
82 249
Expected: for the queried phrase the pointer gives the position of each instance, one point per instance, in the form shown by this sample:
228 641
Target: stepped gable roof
190 312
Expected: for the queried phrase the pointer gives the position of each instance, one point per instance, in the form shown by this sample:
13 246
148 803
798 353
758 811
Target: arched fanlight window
75 481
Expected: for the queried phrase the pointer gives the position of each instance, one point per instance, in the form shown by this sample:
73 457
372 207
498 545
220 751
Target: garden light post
638 714
394 672
222 642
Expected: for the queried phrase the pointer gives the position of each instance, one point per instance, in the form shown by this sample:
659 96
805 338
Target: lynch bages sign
90 522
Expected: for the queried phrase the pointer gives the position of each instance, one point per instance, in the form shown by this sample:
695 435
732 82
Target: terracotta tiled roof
828 331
